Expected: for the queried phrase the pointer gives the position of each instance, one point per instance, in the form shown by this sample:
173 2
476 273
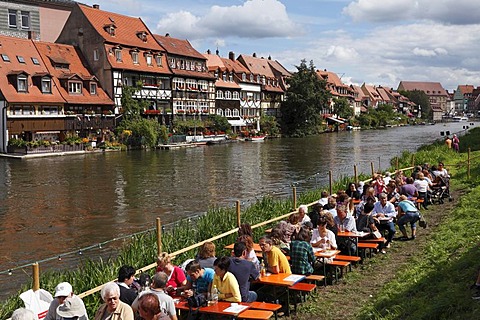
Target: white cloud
253 19
445 11
429 52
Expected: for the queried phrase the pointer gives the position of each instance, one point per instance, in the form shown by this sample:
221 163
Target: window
20 59
75 87
12 18
244 76
48 110
46 85
93 88
149 59
118 55
224 77
230 77
251 78
95 55
5 58
158 60
219 94
258 78
35 61
25 16
236 95
228 95
135 57
22 83
172 63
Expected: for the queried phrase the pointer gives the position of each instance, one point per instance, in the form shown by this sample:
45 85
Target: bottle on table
214 294
263 271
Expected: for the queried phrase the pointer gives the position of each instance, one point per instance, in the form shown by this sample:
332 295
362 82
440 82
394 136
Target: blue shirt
407 206
201 284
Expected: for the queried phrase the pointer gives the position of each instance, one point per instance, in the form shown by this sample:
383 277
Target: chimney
231 55
269 57
167 34
208 51
217 52
96 6
254 55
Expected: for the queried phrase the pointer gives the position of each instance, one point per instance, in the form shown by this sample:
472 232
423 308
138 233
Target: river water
50 206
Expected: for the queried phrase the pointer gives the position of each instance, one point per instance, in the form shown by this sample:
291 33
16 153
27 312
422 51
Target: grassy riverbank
428 278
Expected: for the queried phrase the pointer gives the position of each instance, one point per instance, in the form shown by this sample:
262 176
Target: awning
335 119
237 123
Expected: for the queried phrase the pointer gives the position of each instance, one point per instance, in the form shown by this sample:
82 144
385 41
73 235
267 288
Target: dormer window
258 78
158 60
216 74
251 78
142 35
93 88
149 59
22 83
46 85
118 54
230 77
110 29
75 87
135 57
172 63
224 77
244 76
263 80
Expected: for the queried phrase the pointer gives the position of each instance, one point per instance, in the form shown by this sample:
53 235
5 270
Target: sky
378 42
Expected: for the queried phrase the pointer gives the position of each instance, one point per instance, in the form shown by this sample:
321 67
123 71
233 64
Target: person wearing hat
66 304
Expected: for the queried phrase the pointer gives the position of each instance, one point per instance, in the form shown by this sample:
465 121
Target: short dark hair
193 266
368 207
149 303
222 263
239 248
160 280
125 272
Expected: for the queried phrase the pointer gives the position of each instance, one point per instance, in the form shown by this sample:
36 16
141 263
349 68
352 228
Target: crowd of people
376 208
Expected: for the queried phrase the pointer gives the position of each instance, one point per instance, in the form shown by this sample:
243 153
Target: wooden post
159 236
468 164
330 181
396 164
355 173
294 198
373 169
413 160
238 213
36 276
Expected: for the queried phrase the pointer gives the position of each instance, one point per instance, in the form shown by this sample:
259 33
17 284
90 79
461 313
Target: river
49 206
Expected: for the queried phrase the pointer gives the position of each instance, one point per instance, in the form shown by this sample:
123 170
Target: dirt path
370 277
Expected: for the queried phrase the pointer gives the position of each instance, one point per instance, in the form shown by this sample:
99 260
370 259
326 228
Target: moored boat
255 138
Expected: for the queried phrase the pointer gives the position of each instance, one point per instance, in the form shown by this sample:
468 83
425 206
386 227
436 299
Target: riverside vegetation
446 262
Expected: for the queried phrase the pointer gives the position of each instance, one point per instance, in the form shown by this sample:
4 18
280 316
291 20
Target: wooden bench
273 307
367 245
255 314
315 278
302 289
338 264
351 259
419 203
379 240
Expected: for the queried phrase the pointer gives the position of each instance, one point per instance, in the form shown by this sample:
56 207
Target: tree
421 99
306 97
218 123
269 125
343 109
141 131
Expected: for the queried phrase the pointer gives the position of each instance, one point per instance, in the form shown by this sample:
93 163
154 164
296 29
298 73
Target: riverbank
428 278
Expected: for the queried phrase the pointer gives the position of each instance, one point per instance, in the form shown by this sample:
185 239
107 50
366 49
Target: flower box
152 112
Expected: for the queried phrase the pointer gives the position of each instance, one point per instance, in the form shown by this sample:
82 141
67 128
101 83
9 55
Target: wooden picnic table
220 308
325 254
355 235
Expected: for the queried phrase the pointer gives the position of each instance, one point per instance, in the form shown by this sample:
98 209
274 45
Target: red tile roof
215 62
430 88
70 56
466 89
127 61
14 47
126 28
257 65
279 67
226 84
178 47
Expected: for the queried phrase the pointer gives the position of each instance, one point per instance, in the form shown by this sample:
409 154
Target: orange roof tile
76 68
126 28
226 84
465 89
430 88
16 47
279 67
178 47
257 65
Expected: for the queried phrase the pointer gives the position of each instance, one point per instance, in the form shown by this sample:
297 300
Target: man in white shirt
383 213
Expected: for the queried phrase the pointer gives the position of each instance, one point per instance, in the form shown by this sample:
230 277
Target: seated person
276 261
409 189
315 214
331 206
407 212
384 212
324 198
126 277
322 237
176 276
166 303
302 214
251 255
365 221
225 281
149 307
345 244
206 255
392 195
422 186
244 271
199 280
301 253
352 191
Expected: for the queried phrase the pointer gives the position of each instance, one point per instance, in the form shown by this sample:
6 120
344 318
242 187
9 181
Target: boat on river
459 119
255 138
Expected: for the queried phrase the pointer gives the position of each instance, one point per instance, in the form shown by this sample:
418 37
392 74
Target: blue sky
378 42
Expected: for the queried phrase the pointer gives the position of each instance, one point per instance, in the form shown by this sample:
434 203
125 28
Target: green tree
342 108
269 125
144 132
218 123
421 99
306 97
